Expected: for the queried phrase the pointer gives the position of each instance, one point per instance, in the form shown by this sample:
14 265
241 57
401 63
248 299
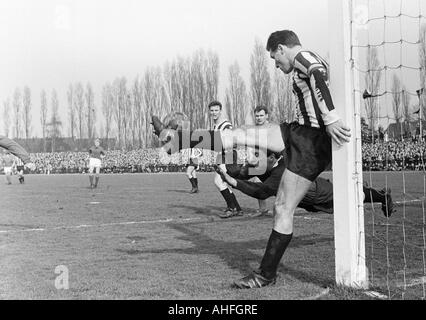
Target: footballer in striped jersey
191 168
18 165
221 124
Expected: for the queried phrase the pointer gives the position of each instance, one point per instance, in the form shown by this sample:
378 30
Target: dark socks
91 180
192 182
277 244
96 181
372 195
235 205
227 195
196 182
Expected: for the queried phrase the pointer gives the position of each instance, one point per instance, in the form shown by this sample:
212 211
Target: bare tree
236 95
155 98
372 84
283 104
396 102
422 61
119 106
138 111
26 112
90 111
17 109
260 79
406 110
43 117
6 116
79 108
107 108
71 111
405 101
198 99
55 122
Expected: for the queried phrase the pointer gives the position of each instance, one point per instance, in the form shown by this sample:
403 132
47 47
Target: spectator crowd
388 156
394 156
118 161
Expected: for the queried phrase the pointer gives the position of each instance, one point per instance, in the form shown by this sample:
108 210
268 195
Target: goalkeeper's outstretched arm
15 149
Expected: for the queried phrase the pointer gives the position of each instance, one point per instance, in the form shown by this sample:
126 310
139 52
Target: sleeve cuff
330 117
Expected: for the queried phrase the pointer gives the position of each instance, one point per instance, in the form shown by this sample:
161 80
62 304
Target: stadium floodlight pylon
350 260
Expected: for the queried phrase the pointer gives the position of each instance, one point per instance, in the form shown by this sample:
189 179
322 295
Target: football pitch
144 236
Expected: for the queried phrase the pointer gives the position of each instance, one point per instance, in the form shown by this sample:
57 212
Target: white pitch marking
83 226
375 294
94 202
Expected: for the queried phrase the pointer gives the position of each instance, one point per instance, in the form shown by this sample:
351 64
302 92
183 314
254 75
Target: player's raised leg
266 137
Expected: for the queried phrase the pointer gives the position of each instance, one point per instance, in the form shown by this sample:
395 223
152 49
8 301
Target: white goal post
350 262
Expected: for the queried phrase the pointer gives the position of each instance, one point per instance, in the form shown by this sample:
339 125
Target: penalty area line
112 224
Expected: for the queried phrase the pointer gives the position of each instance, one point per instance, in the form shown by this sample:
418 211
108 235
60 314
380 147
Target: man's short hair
284 37
260 108
215 103
276 154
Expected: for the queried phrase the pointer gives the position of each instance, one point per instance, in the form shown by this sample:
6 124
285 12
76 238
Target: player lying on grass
319 197
17 150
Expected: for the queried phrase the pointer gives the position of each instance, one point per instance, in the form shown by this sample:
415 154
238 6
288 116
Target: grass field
143 236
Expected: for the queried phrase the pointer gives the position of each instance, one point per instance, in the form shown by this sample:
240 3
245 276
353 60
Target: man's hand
339 132
225 177
31 166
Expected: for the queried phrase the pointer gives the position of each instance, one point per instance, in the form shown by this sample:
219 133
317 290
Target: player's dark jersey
96 152
318 198
310 86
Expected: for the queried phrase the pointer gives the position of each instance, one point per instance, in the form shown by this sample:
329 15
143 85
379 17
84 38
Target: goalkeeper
319 197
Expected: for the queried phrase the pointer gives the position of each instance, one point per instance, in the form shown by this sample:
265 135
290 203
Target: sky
49 44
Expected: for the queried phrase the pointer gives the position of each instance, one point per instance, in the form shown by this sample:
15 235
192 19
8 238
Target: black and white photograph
213 156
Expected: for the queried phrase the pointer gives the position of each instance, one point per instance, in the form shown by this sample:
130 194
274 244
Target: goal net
378 74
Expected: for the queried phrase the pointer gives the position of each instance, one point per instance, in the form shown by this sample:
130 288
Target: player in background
7 164
18 165
222 124
96 154
17 150
192 167
261 117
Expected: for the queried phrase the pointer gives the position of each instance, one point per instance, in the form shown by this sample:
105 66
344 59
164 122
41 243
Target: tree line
186 84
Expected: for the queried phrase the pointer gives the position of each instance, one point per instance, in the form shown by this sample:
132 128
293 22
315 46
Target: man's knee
219 183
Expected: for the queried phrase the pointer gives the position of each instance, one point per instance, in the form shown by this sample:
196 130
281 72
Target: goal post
350 262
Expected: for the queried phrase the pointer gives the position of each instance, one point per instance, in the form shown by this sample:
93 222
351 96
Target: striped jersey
18 162
192 153
314 105
224 125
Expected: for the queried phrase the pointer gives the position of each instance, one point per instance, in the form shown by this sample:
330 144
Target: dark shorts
193 162
19 168
308 149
